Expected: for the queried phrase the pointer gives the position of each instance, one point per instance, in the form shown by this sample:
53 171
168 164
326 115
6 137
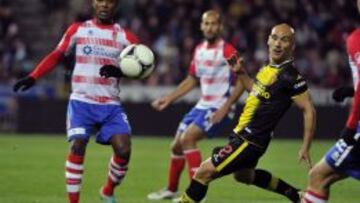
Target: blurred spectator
13 51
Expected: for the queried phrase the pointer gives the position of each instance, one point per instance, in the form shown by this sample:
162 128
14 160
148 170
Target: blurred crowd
171 28
12 52
12 47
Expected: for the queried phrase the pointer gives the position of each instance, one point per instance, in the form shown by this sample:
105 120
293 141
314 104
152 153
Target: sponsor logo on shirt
100 51
87 50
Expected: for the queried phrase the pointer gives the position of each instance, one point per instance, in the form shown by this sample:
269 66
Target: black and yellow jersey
271 96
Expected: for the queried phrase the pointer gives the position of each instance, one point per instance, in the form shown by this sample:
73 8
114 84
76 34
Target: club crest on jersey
87 50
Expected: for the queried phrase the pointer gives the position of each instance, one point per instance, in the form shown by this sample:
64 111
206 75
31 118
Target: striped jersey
95 45
210 67
353 50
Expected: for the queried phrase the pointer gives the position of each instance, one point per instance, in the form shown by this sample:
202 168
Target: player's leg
176 166
200 128
116 132
340 161
224 160
118 164
79 129
266 180
198 187
74 169
321 176
189 140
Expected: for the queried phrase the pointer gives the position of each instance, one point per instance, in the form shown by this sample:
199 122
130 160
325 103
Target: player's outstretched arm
50 61
237 65
304 102
45 66
184 87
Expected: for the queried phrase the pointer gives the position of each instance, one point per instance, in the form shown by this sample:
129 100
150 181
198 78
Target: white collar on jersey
281 64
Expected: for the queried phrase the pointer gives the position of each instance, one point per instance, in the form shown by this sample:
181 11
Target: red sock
177 164
73 172
193 159
312 197
117 171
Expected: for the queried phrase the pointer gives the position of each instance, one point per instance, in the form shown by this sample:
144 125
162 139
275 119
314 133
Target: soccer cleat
178 200
107 199
162 194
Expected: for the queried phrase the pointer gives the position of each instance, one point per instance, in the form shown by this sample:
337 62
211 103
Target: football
137 61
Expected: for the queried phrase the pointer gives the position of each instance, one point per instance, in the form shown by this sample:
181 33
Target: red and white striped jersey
95 45
353 50
210 66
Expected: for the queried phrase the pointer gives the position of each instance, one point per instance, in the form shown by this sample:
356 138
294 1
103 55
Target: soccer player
343 159
220 89
276 86
94 105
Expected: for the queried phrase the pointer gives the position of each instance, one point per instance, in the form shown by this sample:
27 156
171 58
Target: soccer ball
137 61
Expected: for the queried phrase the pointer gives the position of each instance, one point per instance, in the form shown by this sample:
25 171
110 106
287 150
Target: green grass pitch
32 171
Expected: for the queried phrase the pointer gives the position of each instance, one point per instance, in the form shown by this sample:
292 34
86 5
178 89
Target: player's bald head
213 13
284 30
281 43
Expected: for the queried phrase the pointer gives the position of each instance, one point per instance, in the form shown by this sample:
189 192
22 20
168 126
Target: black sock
266 180
196 191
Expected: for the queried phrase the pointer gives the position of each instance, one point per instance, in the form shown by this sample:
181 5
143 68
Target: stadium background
29 29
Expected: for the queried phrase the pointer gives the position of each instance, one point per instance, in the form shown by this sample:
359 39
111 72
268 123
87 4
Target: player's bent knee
78 146
205 172
121 146
123 152
176 148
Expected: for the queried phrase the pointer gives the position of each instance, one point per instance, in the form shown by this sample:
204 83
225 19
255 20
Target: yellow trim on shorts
200 181
232 156
298 95
186 199
273 183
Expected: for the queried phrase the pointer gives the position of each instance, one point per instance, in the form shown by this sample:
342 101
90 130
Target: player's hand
24 84
161 104
236 63
110 71
341 93
304 156
218 115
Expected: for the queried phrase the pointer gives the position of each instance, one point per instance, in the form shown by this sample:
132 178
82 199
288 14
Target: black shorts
237 154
